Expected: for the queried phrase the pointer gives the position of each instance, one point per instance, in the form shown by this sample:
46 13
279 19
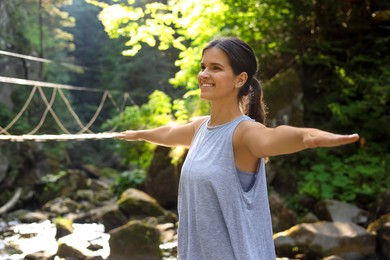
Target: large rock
381 228
137 240
333 210
112 217
384 240
384 207
138 204
60 184
322 239
162 180
284 92
282 217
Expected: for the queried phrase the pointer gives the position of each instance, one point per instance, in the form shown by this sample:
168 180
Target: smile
205 85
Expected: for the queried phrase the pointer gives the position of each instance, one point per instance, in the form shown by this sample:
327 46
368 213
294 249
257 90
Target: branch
11 202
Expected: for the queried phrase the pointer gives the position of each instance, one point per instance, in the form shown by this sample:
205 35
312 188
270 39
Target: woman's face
216 78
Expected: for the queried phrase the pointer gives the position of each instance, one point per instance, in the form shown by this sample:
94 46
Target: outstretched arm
170 135
265 142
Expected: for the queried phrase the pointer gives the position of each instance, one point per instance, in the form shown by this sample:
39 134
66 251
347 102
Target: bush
358 178
129 179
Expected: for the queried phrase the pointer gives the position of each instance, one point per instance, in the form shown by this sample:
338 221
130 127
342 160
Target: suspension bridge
83 133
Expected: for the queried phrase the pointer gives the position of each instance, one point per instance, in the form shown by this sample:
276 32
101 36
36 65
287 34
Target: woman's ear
241 79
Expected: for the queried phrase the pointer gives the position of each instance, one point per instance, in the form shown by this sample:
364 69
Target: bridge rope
57 88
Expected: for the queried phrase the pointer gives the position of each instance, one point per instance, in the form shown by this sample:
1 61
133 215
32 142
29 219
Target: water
18 240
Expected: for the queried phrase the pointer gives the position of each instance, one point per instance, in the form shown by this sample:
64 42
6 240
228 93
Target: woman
223 202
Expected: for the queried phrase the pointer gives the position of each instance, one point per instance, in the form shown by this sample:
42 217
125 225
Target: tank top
217 218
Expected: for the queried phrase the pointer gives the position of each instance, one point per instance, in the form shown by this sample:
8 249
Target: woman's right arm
169 135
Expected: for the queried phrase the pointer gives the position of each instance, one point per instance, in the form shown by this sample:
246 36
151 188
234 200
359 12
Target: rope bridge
84 132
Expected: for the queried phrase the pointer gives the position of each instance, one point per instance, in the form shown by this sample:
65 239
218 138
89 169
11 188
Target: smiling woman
223 200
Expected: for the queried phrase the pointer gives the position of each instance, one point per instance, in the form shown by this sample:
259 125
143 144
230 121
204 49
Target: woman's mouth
206 85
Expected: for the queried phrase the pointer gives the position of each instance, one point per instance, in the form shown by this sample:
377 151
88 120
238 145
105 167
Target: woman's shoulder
196 122
249 123
248 126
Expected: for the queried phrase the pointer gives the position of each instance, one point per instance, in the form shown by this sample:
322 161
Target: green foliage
51 182
189 25
155 113
129 179
359 177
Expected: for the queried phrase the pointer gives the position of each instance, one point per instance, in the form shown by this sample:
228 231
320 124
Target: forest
322 64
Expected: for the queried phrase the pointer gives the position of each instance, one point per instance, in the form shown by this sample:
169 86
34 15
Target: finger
347 139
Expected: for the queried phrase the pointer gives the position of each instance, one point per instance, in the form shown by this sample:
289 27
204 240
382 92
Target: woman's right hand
128 135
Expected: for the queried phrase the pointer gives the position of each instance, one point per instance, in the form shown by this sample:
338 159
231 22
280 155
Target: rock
384 207
381 228
309 218
60 184
66 251
41 255
64 227
138 204
61 206
383 235
162 179
333 257
84 194
26 216
113 217
322 239
168 232
137 239
69 252
333 210
282 217
284 92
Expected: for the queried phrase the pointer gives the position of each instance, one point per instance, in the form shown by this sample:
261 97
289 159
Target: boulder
64 227
384 207
26 216
138 204
383 235
309 218
112 217
137 240
61 206
282 217
68 252
381 228
322 239
284 92
40 255
333 210
162 179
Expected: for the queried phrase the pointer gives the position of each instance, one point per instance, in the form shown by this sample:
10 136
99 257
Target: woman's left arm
265 142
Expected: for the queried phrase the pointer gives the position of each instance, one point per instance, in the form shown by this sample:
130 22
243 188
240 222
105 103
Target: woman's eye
216 68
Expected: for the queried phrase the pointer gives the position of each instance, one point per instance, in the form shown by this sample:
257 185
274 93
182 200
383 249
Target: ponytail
251 99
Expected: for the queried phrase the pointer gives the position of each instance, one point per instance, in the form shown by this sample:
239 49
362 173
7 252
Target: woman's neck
222 114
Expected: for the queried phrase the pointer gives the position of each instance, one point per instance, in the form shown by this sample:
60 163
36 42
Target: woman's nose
204 74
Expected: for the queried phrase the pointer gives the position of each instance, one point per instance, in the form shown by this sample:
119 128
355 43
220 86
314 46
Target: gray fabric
217 219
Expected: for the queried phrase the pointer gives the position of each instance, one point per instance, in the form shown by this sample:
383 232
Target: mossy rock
136 240
136 203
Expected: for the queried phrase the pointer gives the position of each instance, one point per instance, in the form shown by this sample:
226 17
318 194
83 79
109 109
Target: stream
18 240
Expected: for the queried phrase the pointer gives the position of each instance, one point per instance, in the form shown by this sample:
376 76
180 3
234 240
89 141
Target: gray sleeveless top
217 219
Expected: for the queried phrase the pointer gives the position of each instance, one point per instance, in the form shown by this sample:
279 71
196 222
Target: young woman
223 202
